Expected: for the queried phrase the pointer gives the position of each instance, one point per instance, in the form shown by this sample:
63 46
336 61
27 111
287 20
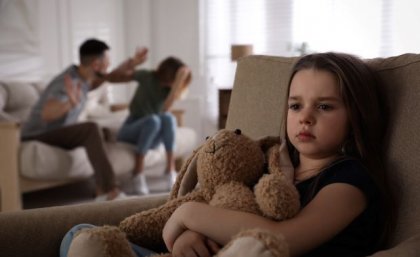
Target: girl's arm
332 209
180 84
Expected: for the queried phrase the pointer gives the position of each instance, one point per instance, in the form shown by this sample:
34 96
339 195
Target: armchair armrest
38 232
407 248
9 174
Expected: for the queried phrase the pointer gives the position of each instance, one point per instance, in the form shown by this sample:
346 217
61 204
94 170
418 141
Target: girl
334 130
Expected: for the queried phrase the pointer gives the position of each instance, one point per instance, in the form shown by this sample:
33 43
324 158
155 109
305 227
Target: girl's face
317 120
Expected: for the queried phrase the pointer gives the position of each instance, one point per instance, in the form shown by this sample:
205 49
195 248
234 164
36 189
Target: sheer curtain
364 28
293 27
19 41
266 24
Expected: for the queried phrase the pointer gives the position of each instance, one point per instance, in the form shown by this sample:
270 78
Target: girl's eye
324 107
294 106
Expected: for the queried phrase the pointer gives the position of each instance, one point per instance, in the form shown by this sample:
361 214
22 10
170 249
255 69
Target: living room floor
78 192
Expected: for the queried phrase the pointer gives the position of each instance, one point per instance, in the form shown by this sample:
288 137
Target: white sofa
42 166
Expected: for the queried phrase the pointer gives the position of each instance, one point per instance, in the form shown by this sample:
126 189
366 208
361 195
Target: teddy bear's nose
238 131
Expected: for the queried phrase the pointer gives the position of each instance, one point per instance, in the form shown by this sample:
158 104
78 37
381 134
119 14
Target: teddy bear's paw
253 243
103 241
277 198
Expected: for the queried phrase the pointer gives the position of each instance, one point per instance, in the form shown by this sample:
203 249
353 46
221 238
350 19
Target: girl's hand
193 244
174 227
73 92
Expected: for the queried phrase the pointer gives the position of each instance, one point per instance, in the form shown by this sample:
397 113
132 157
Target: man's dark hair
91 49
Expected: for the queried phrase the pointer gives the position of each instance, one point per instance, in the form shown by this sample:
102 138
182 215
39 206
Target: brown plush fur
275 193
228 158
226 168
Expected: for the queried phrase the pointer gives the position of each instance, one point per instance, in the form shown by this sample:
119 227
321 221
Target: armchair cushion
20 97
408 248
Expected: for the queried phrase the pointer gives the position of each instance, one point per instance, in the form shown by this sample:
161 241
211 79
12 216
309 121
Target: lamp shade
238 51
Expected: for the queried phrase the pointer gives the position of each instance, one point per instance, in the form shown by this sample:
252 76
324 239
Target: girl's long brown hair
359 88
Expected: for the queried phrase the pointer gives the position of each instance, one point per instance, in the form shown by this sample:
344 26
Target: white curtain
365 28
293 27
19 40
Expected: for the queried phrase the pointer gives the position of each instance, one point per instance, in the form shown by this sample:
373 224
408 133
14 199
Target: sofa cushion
122 155
21 97
401 86
41 161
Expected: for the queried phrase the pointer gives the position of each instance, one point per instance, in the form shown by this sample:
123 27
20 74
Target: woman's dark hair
167 69
91 49
359 89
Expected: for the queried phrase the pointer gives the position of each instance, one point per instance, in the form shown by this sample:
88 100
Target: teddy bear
229 171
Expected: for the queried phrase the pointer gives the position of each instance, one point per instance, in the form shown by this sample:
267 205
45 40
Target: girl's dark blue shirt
359 237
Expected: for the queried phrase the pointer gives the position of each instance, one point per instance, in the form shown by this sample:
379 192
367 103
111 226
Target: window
364 28
292 27
266 24
281 27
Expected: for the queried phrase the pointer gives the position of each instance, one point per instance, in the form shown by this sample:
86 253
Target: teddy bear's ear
187 177
189 182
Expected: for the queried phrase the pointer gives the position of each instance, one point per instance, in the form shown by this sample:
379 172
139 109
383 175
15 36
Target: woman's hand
178 87
182 75
193 244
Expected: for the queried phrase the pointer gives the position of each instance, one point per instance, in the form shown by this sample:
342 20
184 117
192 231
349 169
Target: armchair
259 91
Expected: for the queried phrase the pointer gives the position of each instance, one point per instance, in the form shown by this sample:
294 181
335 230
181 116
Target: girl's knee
100 241
69 236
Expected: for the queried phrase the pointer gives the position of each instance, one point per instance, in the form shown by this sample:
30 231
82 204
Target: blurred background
38 38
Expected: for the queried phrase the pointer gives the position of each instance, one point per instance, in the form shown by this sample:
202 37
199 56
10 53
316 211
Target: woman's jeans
146 133
68 238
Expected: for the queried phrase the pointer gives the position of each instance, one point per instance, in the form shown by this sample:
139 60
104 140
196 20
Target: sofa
41 166
258 92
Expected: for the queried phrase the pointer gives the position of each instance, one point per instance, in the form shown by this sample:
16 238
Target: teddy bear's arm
275 193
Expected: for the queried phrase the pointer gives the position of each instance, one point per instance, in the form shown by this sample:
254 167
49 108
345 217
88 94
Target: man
53 119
